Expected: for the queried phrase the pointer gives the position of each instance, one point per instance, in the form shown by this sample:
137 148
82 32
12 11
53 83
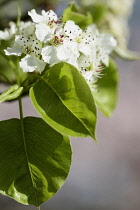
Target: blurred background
104 176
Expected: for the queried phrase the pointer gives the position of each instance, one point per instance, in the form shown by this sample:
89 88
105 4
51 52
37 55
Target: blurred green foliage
72 12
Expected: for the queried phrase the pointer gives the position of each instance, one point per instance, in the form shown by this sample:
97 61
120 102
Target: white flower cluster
47 40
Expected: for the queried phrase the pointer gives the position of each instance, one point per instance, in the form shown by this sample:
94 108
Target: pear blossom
103 44
8 32
91 69
27 43
45 24
59 49
90 66
25 28
118 27
81 40
45 17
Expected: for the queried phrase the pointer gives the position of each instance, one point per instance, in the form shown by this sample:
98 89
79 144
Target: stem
30 77
20 108
19 15
18 72
38 207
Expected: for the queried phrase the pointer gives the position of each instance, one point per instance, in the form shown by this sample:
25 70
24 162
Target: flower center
31 45
53 23
78 39
57 40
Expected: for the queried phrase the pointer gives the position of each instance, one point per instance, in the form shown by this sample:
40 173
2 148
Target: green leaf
6 74
72 13
98 12
11 93
127 54
63 99
106 97
35 160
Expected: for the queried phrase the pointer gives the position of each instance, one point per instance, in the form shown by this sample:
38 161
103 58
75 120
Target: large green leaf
35 160
64 101
72 13
106 97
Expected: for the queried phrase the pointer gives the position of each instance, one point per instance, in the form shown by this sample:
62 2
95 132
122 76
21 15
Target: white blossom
46 17
59 49
80 39
8 32
91 69
25 28
45 24
23 44
101 45
27 44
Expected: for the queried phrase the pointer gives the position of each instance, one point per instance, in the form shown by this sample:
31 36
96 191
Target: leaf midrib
25 148
68 108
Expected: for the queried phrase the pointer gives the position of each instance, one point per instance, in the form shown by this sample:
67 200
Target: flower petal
27 28
43 32
105 60
50 15
15 50
30 64
64 53
4 35
49 55
85 49
35 17
108 42
71 29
